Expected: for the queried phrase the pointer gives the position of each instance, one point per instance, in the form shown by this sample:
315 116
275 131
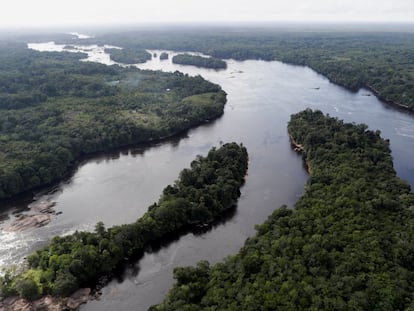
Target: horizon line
387 25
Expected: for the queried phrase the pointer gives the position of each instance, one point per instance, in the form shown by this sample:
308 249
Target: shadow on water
131 268
21 201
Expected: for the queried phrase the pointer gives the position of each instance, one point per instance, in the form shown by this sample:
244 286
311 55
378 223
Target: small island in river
347 243
199 61
201 195
129 55
164 55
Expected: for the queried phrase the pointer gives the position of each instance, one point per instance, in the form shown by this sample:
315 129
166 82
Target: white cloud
80 12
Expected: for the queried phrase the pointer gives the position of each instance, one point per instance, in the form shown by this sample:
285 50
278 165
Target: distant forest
54 109
380 61
199 61
128 55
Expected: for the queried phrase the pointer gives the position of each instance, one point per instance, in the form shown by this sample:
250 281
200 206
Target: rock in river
24 222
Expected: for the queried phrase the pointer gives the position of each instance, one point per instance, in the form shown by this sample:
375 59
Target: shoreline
73 302
370 88
159 233
28 195
392 103
376 93
299 148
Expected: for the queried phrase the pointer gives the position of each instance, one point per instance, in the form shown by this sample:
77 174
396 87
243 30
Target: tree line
376 59
199 61
200 195
346 245
128 55
54 109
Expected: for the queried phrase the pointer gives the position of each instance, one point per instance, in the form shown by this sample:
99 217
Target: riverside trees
201 195
347 243
199 61
54 109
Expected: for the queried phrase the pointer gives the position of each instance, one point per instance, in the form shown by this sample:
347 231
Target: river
117 187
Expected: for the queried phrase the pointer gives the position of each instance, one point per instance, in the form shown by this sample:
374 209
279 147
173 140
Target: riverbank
201 195
48 303
378 94
78 108
300 148
355 89
323 253
261 97
27 196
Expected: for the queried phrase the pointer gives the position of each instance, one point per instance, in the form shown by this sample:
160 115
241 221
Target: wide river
117 187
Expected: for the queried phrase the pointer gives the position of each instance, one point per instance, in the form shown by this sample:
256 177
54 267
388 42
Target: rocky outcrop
40 215
43 207
79 297
47 303
296 146
24 222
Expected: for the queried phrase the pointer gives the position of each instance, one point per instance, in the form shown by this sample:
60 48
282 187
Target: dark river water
117 187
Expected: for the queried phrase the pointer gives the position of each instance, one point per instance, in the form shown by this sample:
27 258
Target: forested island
164 55
199 61
128 55
346 245
376 59
203 192
54 109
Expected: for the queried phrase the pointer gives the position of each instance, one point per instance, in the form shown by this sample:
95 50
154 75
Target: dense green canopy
199 61
128 55
346 245
54 109
200 196
380 60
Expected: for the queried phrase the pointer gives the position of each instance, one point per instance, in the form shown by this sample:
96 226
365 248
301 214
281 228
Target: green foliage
163 56
199 61
381 61
64 284
53 109
200 196
347 244
128 55
28 289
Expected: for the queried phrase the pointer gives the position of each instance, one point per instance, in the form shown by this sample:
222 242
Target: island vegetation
203 192
378 59
346 245
199 61
129 55
164 55
55 109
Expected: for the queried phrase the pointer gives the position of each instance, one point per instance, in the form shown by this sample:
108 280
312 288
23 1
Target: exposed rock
297 147
40 215
15 304
25 222
43 207
47 303
79 297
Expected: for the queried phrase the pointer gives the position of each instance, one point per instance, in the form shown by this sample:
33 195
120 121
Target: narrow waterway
117 187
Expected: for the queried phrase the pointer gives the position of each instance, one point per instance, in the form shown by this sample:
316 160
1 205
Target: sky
41 13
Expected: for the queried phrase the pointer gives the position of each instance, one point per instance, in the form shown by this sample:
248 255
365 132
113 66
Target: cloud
76 12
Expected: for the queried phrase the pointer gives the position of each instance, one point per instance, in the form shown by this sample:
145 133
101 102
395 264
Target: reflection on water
118 186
